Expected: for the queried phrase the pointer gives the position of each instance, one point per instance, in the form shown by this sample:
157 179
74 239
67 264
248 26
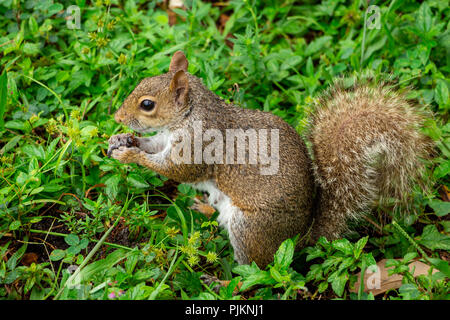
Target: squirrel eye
147 104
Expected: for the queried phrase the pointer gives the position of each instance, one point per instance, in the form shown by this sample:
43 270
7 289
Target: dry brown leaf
445 193
387 282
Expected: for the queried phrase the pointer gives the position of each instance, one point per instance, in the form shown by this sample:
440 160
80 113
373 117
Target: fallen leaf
379 281
445 193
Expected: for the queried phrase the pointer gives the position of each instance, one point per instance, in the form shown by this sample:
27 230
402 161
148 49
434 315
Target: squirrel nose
119 116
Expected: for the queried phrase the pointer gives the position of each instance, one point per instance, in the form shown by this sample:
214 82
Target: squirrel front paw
128 155
121 140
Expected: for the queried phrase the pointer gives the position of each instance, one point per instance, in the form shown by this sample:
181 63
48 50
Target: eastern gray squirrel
366 146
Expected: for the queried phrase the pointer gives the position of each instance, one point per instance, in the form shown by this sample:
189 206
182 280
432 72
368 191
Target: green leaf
99 266
31 49
232 285
184 188
424 18
83 243
137 181
15 225
261 277
322 286
409 256
409 291
283 257
16 124
55 8
32 24
57 254
441 265
72 239
73 250
432 239
112 186
359 246
443 170
11 143
441 93
368 259
132 260
446 225
12 261
313 253
338 283
246 270
3 95
317 44
441 208
88 131
343 245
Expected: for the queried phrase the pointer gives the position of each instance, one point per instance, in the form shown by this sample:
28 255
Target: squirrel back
366 146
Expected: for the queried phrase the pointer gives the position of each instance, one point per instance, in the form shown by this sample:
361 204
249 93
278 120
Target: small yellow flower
34 118
160 255
211 257
122 59
193 260
93 132
102 42
309 100
73 133
194 238
92 35
172 232
110 25
85 50
189 250
51 126
5 159
75 114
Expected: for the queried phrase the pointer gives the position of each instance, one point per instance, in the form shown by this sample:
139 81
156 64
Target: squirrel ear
180 86
178 62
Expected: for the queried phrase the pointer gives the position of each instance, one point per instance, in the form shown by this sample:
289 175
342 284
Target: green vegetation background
64 204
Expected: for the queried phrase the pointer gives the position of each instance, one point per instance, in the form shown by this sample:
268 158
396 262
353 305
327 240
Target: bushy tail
367 147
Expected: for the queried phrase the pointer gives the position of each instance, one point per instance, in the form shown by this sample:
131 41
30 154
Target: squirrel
366 147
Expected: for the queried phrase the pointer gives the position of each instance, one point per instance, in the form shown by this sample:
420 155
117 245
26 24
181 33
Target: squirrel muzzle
120 115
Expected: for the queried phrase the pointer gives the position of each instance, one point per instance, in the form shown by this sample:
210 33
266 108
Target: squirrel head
158 101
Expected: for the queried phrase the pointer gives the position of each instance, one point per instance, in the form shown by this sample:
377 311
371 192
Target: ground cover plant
75 224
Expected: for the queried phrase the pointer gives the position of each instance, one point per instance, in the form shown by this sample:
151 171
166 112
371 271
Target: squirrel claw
208 280
121 140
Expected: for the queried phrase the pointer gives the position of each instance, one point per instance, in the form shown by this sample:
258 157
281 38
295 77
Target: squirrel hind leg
256 236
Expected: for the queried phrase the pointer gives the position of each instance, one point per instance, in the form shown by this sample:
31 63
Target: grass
130 233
